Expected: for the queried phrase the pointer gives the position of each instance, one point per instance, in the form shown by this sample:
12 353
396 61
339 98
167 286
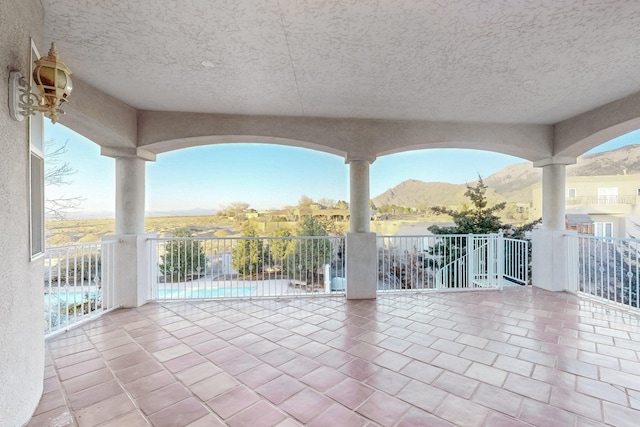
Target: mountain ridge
512 183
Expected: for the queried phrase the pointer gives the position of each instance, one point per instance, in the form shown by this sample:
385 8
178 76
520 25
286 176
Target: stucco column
362 262
553 196
550 261
132 253
359 202
130 189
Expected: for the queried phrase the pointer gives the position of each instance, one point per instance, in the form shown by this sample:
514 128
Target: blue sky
265 176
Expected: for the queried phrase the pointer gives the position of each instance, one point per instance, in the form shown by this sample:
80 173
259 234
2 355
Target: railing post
471 253
152 250
490 259
500 258
572 246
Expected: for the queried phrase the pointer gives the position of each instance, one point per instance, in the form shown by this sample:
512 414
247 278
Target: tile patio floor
518 357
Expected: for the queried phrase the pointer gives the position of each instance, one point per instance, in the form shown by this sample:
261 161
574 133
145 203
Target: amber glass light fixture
52 79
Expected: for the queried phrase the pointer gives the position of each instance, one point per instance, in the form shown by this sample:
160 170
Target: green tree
183 258
306 257
311 226
279 245
248 255
479 218
331 226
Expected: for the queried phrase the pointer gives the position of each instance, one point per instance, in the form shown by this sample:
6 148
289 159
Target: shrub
248 255
183 258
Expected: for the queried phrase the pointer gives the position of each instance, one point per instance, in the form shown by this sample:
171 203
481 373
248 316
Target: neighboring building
603 205
582 223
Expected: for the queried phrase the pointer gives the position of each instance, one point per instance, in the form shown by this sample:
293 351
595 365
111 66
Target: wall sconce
53 80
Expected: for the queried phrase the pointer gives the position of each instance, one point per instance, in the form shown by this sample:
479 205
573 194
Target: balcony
521 356
416 355
600 200
80 280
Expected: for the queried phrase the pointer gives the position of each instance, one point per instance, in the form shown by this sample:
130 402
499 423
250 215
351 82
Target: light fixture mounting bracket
17 86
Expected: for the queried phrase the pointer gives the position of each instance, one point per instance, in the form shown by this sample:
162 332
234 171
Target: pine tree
307 256
182 258
480 218
248 255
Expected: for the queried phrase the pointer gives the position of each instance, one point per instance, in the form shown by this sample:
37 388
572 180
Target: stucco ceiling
512 61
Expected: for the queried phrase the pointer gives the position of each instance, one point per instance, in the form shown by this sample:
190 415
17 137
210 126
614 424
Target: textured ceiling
513 61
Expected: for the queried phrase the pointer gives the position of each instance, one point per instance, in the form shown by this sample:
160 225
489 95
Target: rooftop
522 356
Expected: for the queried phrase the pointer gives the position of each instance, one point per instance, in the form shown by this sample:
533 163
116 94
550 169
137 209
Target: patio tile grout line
394 303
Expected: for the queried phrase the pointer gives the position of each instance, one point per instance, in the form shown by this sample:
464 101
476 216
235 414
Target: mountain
624 160
414 193
512 183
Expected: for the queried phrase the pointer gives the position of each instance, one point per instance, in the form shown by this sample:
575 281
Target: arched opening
603 187
79 187
267 185
278 183
406 186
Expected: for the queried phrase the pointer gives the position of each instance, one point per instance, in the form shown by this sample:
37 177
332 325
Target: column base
132 269
362 266
549 260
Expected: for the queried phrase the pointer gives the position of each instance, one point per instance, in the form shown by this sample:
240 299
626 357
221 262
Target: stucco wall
579 134
356 139
21 302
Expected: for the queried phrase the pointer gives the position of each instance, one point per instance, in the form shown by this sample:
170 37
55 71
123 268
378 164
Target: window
572 193
36 175
607 195
603 229
37 204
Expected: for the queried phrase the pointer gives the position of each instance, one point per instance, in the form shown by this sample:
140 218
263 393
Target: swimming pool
204 293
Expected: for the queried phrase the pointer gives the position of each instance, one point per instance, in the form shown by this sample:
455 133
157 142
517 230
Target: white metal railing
197 268
601 200
516 260
605 268
78 283
447 262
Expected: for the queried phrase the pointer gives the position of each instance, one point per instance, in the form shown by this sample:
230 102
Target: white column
132 254
553 196
550 260
130 188
362 261
359 202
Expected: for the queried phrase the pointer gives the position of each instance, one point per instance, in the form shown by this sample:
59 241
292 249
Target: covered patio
519 357
544 81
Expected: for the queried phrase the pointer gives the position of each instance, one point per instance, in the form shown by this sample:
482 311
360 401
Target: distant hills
111 214
512 183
